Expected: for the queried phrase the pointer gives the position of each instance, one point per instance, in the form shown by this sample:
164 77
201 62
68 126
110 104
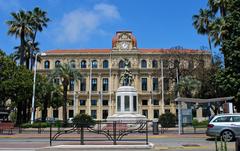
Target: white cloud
79 25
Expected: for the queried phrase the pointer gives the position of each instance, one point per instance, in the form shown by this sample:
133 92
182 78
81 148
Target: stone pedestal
126 105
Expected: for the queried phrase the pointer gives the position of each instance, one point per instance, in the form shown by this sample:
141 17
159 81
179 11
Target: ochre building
155 73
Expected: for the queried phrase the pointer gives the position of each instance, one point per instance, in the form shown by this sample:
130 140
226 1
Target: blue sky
77 24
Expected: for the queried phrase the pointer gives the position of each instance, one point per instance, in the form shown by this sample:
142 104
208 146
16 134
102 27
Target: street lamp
34 81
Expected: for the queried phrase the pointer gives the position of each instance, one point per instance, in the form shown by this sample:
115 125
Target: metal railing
103 131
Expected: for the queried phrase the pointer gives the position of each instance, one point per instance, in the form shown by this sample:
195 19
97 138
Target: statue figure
126 78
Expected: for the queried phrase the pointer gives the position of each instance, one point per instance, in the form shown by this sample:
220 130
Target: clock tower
124 41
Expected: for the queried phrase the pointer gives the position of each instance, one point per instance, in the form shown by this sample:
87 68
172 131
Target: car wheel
227 135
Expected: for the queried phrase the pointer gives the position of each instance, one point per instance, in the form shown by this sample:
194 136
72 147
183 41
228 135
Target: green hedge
35 125
196 123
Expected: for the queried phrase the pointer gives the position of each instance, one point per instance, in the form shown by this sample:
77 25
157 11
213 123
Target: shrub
167 120
40 125
26 125
83 120
196 123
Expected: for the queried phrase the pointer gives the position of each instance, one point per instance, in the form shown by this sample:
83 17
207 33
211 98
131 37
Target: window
126 103
176 64
201 63
55 113
167 110
155 102
143 64
118 103
190 64
94 64
70 102
71 85
166 101
121 64
83 64
105 102
82 102
144 84
82 111
155 84
236 118
144 102
155 113
57 63
83 85
105 84
166 84
46 64
104 114
205 112
57 81
154 64
224 119
72 64
145 113
93 102
134 103
94 84
94 114
105 64
165 63
70 113
194 112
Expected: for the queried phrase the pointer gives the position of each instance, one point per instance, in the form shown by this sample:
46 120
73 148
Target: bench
6 126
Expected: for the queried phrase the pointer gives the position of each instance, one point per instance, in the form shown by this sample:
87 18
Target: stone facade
154 74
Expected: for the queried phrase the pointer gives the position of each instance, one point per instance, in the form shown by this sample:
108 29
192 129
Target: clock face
124 45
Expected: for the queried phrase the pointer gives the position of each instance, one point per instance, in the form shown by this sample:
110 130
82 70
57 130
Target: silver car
225 125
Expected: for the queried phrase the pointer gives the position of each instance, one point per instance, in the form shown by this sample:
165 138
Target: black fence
102 131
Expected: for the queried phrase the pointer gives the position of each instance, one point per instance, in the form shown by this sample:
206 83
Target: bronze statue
126 78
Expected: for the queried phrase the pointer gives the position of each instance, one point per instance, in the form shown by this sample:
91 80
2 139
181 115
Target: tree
218 5
66 73
20 27
47 94
202 23
188 87
39 20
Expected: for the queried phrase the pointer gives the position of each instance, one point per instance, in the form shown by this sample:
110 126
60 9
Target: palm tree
218 5
39 20
20 27
66 73
218 31
201 23
188 86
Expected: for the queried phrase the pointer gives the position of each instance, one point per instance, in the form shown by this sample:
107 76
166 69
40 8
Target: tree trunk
24 111
22 51
44 111
19 113
65 104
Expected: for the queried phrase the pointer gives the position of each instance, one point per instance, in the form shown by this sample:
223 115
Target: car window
224 119
236 118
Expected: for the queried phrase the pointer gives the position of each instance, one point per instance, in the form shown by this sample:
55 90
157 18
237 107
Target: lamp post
34 83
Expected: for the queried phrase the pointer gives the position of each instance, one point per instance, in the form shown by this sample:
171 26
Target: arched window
57 63
72 64
154 64
46 64
176 64
105 64
94 64
83 64
121 64
143 64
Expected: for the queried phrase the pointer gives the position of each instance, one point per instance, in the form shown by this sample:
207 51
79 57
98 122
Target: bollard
238 143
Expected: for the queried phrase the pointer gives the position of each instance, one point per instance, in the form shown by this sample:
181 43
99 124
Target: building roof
141 50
